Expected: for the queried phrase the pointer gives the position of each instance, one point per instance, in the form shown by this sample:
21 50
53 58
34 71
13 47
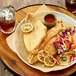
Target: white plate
65 17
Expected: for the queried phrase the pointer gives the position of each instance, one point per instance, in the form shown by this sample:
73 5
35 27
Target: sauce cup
50 20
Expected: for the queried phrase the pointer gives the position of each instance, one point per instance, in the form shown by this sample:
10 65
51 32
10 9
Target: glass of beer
71 5
7 19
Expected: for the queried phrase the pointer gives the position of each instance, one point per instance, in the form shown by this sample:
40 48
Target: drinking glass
7 19
71 5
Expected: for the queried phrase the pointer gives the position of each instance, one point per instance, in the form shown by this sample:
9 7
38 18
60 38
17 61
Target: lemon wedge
49 61
27 27
41 55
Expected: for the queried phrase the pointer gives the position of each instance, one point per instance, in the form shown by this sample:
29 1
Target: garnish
70 59
65 44
69 28
64 58
44 57
57 60
66 50
41 55
63 30
49 61
27 27
70 52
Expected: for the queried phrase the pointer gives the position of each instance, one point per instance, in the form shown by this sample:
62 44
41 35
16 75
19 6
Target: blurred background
21 3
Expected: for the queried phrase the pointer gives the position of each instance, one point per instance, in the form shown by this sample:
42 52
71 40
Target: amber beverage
7 20
71 5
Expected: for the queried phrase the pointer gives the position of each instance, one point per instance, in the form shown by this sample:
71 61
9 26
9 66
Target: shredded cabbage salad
65 44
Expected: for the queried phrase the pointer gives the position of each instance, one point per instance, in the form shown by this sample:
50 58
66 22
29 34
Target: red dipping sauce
49 18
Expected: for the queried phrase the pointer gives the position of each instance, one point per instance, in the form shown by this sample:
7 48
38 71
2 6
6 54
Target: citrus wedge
27 27
41 55
49 61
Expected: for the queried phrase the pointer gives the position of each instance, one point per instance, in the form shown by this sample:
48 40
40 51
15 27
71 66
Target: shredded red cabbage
64 36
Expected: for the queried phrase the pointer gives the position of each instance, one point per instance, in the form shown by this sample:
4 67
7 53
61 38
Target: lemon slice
49 61
27 27
41 55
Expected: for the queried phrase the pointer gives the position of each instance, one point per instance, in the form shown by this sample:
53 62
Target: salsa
49 18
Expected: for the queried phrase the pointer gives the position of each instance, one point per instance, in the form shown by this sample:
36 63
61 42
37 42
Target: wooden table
18 4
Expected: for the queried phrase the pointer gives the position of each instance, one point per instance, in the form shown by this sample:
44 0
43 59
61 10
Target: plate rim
45 4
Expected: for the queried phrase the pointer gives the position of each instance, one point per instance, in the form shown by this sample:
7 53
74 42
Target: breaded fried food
33 39
32 58
50 48
47 44
51 33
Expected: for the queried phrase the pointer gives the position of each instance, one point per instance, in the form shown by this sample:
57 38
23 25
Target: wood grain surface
13 61
19 4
